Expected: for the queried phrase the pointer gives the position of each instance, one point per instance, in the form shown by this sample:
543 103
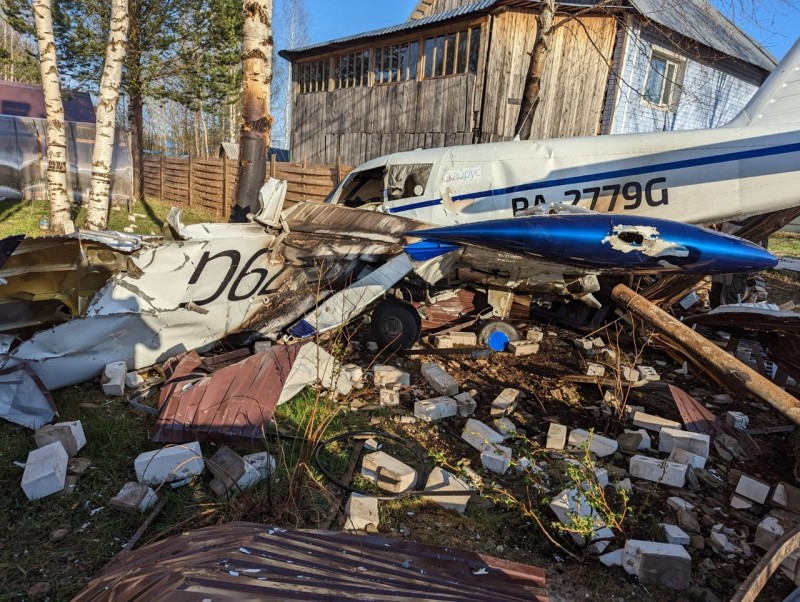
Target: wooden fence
210 184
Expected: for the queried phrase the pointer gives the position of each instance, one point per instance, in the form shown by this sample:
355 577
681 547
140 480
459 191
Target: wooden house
454 74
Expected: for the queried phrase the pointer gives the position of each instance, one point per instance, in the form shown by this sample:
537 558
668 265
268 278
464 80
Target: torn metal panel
250 561
23 398
235 403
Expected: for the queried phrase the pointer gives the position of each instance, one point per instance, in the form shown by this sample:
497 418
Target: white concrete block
70 434
464 339
45 471
674 534
752 489
478 435
768 532
647 442
438 379
534 335
390 395
630 374
505 403
664 564
737 420
598 445
653 423
505 427
263 462
570 504
720 543
663 472
496 458
787 496
522 348
696 443
593 369
681 456
134 498
169 464
113 379
612 558
232 472
677 503
648 373
436 408
388 473
384 375
442 481
466 404
133 380
442 342
354 372
556 436
583 344
741 503
361 512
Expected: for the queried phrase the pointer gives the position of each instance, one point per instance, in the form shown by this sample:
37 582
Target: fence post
190 180
224 185
161 179
272 170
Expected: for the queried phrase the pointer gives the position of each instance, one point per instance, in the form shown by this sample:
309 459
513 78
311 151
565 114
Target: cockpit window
364 188
407 181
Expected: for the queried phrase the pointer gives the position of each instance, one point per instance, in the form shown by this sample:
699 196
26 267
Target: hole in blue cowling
632 238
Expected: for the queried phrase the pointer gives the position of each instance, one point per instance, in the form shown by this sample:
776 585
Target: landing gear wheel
497 335
396 325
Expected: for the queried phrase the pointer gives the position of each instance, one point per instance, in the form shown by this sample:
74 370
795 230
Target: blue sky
775 25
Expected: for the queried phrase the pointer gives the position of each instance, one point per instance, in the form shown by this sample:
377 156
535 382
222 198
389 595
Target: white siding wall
712 94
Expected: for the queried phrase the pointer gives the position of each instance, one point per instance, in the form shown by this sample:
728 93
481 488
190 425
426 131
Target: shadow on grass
151 213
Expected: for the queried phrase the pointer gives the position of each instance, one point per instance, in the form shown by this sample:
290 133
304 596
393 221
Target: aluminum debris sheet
23 398
241 561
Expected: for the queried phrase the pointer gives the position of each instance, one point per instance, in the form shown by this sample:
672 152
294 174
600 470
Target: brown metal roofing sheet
247 561
233 404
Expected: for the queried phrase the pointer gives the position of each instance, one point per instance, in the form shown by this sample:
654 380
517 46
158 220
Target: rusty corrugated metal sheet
248 561
234 404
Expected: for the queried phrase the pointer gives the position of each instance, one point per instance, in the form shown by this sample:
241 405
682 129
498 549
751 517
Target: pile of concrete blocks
174 465
52 468
487 441
390 381
570 504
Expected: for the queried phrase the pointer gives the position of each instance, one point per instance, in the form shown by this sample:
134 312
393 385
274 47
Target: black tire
396 325
497 326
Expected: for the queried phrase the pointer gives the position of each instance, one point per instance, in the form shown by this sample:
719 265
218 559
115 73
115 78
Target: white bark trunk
97 213
256 118
60 206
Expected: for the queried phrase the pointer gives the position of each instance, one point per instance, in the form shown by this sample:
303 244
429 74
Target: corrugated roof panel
251 561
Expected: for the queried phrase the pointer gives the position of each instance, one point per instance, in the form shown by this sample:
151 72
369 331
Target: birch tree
97 211
293 32
60 219
256 119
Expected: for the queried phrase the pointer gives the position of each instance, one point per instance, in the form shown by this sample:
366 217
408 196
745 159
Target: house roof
694 19
700 21
27 100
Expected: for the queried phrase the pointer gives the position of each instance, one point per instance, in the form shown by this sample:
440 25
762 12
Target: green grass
22 217
785 244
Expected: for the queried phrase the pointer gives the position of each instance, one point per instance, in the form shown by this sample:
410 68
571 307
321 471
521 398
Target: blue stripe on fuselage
619 173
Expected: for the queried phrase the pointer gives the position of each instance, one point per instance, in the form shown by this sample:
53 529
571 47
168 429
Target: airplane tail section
777 101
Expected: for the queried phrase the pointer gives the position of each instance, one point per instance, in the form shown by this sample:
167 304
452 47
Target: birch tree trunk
60 219
256 120
533 80
97 212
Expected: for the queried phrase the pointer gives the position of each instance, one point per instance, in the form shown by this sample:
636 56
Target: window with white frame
662 88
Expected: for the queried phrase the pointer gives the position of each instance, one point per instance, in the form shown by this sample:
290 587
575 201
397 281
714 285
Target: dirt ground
28 554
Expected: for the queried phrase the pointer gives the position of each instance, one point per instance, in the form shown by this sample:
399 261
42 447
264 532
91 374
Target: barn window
352 70
396 63
313 76
662 87
453 53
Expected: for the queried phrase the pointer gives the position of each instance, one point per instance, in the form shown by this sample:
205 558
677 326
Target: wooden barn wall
575 79
512 38
358 124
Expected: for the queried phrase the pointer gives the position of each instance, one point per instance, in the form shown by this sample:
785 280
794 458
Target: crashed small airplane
543 219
